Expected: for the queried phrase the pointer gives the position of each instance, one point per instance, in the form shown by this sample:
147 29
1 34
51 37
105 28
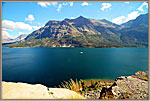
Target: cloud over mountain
29 18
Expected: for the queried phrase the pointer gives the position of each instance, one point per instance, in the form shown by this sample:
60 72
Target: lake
51 66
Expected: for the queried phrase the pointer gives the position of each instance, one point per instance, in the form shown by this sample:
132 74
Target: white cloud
44 4
71 3
5 33
20 33
5 29
126 2
29 18
84 4
122 19
141 7
10 25
132 16
59 7
72 17
65 3
105 6
118 20
53 3
36 27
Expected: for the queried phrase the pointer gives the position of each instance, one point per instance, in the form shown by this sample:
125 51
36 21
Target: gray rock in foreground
130 88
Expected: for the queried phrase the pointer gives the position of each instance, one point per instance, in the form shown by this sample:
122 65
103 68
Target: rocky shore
124 87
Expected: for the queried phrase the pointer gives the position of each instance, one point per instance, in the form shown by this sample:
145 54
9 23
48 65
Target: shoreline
77 47
123 87
88 81
103 81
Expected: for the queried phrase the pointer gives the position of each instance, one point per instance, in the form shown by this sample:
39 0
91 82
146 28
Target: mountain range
8 40
86 32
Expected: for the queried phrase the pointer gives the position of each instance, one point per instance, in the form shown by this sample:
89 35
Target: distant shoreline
81 47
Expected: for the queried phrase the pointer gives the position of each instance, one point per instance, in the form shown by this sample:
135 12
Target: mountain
78 32
106 22
86 32
10 40
135 31
21 37
140 21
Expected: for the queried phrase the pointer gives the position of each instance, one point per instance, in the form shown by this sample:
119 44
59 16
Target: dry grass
71 85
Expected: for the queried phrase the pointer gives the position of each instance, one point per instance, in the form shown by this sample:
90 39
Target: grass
84 85
71 85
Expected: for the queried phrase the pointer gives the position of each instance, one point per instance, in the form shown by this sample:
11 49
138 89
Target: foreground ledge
12 90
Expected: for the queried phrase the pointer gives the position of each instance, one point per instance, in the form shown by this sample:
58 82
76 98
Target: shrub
71 85
139 71
145 78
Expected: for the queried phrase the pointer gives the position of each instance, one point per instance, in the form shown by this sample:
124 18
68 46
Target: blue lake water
51 66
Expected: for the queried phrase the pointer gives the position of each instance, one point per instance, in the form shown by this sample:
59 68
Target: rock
141 75
124 87
62 93
95 94
131 88
12 90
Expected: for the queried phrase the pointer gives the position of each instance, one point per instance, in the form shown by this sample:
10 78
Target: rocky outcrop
63 93
131 87
141 75
12 90
124 87
93 94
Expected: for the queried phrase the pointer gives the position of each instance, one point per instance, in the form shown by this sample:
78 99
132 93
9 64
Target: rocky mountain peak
66 19
81 18
87 32
140 21
80 21
52 22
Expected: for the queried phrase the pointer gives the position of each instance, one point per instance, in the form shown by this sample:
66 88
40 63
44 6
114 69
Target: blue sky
25 17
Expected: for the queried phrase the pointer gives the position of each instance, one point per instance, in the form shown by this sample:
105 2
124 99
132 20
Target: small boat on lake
81 52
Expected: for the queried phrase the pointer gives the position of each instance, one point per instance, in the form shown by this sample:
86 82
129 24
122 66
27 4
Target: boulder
12 90
131 88
141 75
63 93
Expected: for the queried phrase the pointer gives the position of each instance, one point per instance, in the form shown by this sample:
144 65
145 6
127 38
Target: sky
25 17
